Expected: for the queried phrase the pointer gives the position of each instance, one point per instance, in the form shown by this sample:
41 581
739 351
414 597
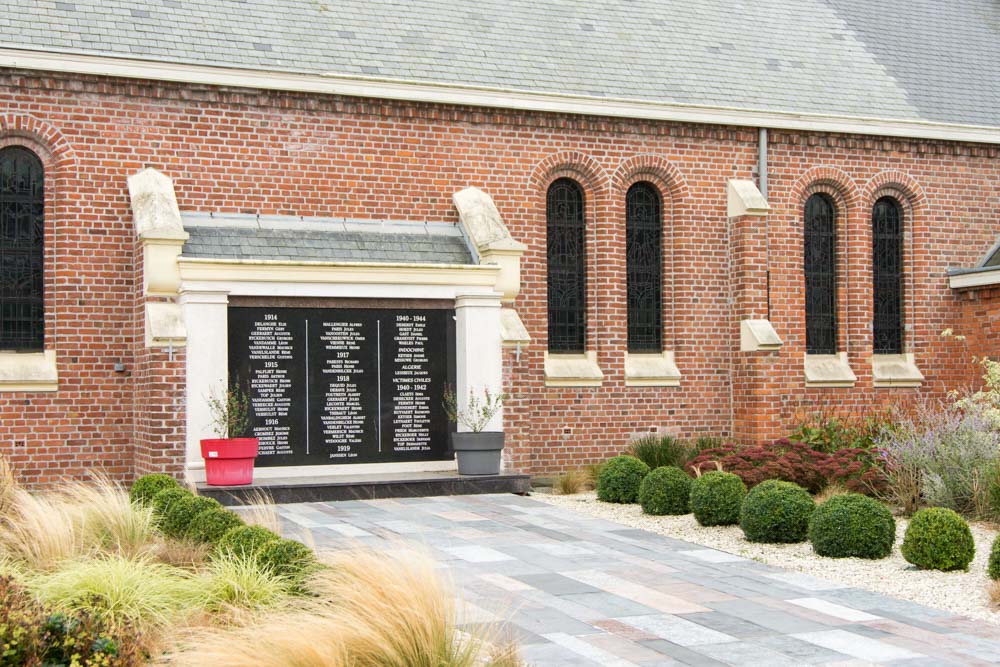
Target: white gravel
959 592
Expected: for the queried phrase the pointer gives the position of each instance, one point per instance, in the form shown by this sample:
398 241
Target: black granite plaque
344 385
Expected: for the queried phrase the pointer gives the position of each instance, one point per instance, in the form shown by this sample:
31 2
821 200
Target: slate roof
325 246
928 60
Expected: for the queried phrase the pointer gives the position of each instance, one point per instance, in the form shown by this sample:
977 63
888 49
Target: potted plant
477 451
229 458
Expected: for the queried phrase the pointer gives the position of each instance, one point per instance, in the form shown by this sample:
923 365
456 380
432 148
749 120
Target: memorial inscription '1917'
344 385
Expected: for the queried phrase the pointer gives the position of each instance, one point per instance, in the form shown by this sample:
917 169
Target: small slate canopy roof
989 262
923 60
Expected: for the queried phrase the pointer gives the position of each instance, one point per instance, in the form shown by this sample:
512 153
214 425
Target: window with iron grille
887 272
567 276
22 204
644 268
821 275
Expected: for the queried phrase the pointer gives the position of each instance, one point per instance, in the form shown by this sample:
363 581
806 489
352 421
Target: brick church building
630 216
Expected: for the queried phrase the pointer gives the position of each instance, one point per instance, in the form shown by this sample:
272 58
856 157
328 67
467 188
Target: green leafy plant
287 558
147 486
230 412
851 525
177 517
209 526
165 498
938 539
776 512
245 540
665 490
620 479
993 566
478 411
716 497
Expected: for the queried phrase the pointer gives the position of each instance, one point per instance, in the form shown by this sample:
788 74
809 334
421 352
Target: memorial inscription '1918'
344 385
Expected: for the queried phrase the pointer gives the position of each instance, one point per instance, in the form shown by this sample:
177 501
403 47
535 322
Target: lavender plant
478 410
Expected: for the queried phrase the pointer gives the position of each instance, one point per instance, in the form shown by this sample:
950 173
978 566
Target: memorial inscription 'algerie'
344 385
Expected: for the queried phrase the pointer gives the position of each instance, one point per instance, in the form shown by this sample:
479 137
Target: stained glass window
22 204
567 271
821 275
887 271
644 268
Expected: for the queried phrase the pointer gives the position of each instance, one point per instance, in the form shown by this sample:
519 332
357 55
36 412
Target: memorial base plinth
229 462
478 453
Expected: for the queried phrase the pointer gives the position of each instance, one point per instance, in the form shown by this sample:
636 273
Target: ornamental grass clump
620 478
852 526
938 539
147 486
776 512
237 579
660 450
665 490
716 497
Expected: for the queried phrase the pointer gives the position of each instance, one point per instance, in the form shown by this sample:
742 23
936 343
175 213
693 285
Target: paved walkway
582 591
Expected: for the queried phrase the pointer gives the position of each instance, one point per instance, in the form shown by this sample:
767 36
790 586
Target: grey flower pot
478 453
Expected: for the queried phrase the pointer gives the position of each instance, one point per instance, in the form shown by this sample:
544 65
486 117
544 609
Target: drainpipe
762 186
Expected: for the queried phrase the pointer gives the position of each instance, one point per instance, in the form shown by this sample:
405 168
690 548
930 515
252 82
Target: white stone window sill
28 371
895 370
572 370
828 370
651 370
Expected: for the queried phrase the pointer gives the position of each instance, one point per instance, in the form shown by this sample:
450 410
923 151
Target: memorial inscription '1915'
344 385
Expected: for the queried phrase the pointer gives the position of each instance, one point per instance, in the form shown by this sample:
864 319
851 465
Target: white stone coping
758 336
512 329
743 198
656 369
165 325
895 370
828 370
193 219
572 370
28 371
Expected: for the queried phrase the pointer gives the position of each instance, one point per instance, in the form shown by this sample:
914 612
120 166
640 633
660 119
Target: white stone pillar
478 357
207 367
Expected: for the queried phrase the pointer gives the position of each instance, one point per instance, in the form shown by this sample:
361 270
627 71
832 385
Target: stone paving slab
578 591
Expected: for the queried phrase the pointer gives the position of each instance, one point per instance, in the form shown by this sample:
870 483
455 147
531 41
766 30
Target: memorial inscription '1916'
344 385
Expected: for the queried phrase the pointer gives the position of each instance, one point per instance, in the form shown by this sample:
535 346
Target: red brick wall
976 334
278 153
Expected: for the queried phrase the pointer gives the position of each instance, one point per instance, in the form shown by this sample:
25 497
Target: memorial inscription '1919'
344 385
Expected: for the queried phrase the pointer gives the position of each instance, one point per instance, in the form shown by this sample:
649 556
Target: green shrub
32 634
776 512
620 479
147 486
178 516
665 490
938 539
245 540
716 498
209 526
165 498
852 526
287 558
993 568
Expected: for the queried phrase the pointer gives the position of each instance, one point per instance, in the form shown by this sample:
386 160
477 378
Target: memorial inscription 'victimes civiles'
344 385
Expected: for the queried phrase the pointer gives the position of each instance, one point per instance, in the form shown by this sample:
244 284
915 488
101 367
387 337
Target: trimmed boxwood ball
993 567
776 512
177 517
852 526
287 558
245 540
716 498
938 539
620 479
209 526
147 486
665 490
167 497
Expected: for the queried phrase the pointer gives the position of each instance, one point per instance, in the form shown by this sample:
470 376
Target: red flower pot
229 461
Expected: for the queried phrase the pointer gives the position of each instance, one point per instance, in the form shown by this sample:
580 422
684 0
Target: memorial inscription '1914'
344 385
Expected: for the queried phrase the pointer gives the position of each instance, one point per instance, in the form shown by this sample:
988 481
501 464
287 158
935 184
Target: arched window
887 272
821 275
22 209
644 268
567 275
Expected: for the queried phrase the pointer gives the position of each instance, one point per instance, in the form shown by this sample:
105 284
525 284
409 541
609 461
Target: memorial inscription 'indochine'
344 385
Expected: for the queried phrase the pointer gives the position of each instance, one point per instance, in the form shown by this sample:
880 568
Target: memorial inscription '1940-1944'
344 385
